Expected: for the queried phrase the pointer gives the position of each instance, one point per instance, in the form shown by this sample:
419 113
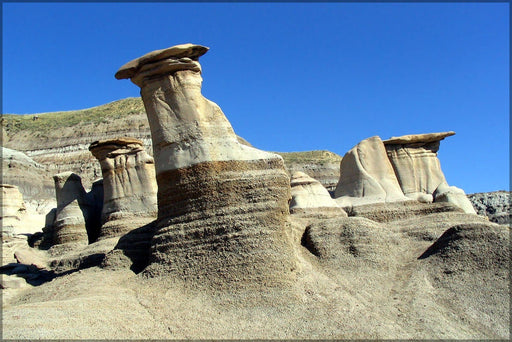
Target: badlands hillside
59 142
112 229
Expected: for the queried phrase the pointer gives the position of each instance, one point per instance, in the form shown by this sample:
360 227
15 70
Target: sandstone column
69 226
222 206
415 162
129 185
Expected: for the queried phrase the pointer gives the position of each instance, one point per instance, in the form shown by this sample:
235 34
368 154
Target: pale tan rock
367 176
12 208
453 195
414 159
222 206
129 185
309 197
69 226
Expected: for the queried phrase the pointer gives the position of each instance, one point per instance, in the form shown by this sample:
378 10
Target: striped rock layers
309 197
11 208
72 209
129 185
222 206
414 160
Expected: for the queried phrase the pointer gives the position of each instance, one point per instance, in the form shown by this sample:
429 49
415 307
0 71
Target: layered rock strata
12 208
69 226
367 176
31 178
309 197
129 185
414 160
222 206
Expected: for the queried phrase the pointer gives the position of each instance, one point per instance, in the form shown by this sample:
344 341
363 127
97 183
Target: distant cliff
59 141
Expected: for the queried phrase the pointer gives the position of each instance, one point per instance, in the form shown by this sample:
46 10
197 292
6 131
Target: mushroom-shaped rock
309 197
70 225
129 185
366 176
415 162
222 206
12 208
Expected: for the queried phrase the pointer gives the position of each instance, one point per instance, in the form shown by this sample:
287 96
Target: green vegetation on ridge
45 122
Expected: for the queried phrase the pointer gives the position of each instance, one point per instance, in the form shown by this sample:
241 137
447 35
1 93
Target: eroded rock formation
367 176
414 160
453 195
129 185
12 208
309 197
222 206
70 224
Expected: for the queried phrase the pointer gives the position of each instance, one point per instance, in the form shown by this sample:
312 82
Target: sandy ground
385 292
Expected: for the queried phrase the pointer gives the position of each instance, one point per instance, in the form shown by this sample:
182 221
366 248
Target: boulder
454 195
222 205
129 185
415 163
12 208
309 197
367 176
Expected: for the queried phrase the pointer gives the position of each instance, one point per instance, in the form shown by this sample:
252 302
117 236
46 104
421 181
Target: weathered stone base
223 224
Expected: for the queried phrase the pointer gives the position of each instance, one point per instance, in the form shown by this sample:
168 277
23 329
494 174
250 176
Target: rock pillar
414 160
129 185
72 203
222 206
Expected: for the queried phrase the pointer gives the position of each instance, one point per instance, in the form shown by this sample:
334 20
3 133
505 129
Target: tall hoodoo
415 162
222 206
129 185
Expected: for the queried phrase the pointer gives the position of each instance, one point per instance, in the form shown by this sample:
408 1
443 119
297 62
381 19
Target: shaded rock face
129 185
12 208
70 223
309 197
414 160
222 206
367 176
494 205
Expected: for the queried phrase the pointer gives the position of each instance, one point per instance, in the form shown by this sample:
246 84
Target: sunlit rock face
414 160
69 226
310 198
367 176
12 208
222 206
129 185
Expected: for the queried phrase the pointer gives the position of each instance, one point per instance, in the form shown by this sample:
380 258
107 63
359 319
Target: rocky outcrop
367 176
222 206
495 205
30 177
72 209
309 197
12 208
454 195
129 185
414 160
324 166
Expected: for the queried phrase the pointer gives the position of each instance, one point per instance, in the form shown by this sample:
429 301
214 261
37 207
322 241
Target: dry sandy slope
367 282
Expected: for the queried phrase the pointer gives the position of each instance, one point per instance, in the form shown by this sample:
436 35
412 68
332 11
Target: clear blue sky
290 76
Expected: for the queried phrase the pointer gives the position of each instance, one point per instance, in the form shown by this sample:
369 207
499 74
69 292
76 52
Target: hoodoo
129 185
222 206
